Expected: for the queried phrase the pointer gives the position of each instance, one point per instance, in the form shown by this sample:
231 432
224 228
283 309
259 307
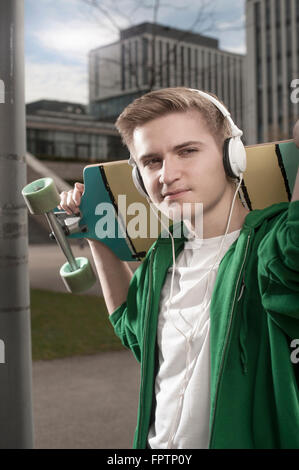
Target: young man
214 335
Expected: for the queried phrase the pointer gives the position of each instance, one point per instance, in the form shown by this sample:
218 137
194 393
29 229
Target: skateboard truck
41 197
58 233
68 224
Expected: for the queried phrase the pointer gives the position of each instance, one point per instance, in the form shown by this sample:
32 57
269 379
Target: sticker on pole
2 92
2 352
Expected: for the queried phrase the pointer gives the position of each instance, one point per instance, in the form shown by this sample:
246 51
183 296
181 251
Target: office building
272 69
64 131
151 56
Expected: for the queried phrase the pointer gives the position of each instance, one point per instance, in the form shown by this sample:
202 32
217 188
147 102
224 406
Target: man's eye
151 162
188 151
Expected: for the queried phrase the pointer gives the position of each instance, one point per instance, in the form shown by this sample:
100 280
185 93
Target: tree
136 11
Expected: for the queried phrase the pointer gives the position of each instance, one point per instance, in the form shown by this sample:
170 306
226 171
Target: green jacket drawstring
243 331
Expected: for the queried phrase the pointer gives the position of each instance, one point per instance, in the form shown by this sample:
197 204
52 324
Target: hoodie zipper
227 337
145 343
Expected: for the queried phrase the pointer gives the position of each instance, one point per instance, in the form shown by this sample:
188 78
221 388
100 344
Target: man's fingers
79 187
77 194
65 202
70 200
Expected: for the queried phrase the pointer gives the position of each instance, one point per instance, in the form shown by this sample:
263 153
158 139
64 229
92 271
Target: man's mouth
174 194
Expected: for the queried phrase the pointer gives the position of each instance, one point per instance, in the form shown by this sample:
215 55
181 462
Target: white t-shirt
183 401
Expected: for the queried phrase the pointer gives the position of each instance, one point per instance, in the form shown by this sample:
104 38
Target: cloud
236 24
56 81
73 39
59 35
239 49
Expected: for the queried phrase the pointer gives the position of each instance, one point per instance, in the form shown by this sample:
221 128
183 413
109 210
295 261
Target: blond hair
159 103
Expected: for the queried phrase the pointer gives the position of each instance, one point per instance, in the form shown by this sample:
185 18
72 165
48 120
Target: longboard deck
269 179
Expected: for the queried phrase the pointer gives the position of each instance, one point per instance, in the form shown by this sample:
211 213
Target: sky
60 33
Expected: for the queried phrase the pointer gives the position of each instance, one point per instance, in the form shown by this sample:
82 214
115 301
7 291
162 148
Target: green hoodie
254 316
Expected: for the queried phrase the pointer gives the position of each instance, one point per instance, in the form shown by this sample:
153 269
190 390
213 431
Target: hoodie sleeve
278 271
123 327
127 319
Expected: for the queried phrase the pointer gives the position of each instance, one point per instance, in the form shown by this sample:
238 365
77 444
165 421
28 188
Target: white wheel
41 196
79 280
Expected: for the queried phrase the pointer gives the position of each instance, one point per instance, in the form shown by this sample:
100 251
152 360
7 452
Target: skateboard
113 211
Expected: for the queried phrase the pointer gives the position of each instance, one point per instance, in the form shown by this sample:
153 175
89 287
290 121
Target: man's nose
170 171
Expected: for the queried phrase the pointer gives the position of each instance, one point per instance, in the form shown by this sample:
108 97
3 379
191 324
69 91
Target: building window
161 63
268 14
136 65
175 64
189 65
269 68
222 80
216 73
182 66
196 68
235 84
259 78
241 93
288 11
209 72
289 39
228 80
123 68
144 61
280 108
130 64
277 12
167 64
82 151
203 78
96 75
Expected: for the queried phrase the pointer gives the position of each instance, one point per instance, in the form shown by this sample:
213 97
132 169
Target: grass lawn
65 324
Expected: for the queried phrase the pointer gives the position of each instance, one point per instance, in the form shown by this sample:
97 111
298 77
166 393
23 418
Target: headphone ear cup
226 159
234 157
139 182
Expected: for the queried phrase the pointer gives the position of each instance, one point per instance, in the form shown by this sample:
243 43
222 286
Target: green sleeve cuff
116 315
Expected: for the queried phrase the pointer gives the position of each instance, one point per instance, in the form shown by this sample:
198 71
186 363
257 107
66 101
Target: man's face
180 161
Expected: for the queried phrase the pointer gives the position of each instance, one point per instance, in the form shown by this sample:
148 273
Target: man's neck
215 220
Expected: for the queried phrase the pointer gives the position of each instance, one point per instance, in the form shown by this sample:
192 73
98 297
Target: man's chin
178 211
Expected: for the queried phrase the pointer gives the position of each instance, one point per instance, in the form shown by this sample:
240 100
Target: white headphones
234 153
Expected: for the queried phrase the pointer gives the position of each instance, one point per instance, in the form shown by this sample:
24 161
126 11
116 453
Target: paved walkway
45 262
81 402
86 402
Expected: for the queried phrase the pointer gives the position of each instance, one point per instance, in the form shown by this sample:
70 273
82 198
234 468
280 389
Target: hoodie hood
257 217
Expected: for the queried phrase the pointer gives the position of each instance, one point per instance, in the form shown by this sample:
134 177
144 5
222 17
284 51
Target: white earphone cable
189 338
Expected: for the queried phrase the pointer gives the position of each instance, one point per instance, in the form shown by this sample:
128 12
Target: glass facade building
151 56
68 133
273 65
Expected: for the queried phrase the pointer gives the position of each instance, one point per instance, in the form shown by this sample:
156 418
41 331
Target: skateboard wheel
41 196
80 280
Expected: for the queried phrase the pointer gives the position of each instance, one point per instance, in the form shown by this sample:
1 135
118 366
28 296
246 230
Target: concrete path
86 402
45 262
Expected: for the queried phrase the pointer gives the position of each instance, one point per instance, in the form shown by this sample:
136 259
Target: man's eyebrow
186 144
177 147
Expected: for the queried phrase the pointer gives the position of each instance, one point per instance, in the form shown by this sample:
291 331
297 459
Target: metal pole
16 423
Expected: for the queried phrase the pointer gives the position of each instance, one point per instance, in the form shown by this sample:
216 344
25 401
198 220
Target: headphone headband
236 132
